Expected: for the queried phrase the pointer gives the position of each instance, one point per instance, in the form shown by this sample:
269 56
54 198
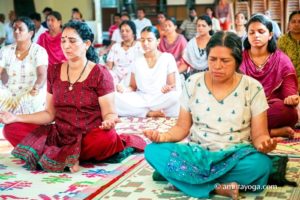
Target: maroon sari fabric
279 80
57 146
273 75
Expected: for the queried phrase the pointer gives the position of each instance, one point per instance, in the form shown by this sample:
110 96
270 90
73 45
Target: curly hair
85 33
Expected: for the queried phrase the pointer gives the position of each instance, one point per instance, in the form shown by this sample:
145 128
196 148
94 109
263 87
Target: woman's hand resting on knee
7 118
267 145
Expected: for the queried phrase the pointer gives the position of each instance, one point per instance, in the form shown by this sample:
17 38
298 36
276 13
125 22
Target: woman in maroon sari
80 102
274 70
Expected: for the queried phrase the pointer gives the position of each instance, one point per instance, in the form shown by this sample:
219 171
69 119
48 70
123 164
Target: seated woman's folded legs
15 132
245 173
100 144
281 119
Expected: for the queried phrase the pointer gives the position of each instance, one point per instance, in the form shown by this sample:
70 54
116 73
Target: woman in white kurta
23 72
122 55
154 85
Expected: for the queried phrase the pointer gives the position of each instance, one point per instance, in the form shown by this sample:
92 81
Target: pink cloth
279 80
53 48
273 76
176 48
280 115
111 29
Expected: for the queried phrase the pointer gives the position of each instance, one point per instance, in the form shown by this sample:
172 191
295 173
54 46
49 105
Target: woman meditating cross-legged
223 114
80 102
154 87
275 71
122 55
23 71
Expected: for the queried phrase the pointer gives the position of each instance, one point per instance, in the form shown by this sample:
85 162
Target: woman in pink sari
275 71
51 39
172 42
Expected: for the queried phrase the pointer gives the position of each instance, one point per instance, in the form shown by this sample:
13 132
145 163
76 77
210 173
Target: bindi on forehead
70 37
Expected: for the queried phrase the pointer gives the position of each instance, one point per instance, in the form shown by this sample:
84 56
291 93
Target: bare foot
158 113
282 132
228 190
75 168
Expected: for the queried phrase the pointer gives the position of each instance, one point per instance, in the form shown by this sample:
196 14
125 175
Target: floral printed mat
130 179
138 185
17 182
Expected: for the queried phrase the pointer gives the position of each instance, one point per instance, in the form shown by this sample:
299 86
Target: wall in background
5 7
64 7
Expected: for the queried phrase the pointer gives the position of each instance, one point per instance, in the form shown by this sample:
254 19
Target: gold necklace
20 54
71 84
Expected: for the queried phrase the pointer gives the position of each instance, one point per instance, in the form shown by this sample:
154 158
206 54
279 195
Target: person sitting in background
122 55
194 56
223 114
77 16
215 22
116 37
154 87
276 29
172 42
223 12
289 43
275 71
161 18
113 27
23 68
240 28
188 26
39 29
51 39
141 21
9 32
46 12
80 91
2 30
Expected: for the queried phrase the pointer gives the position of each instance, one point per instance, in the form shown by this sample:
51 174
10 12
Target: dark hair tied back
28 22
229 40
268 24
85 33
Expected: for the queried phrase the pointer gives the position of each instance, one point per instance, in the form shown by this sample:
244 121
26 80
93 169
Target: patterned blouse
291 48
221 124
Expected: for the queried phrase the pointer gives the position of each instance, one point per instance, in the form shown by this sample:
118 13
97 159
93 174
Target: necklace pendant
70 87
